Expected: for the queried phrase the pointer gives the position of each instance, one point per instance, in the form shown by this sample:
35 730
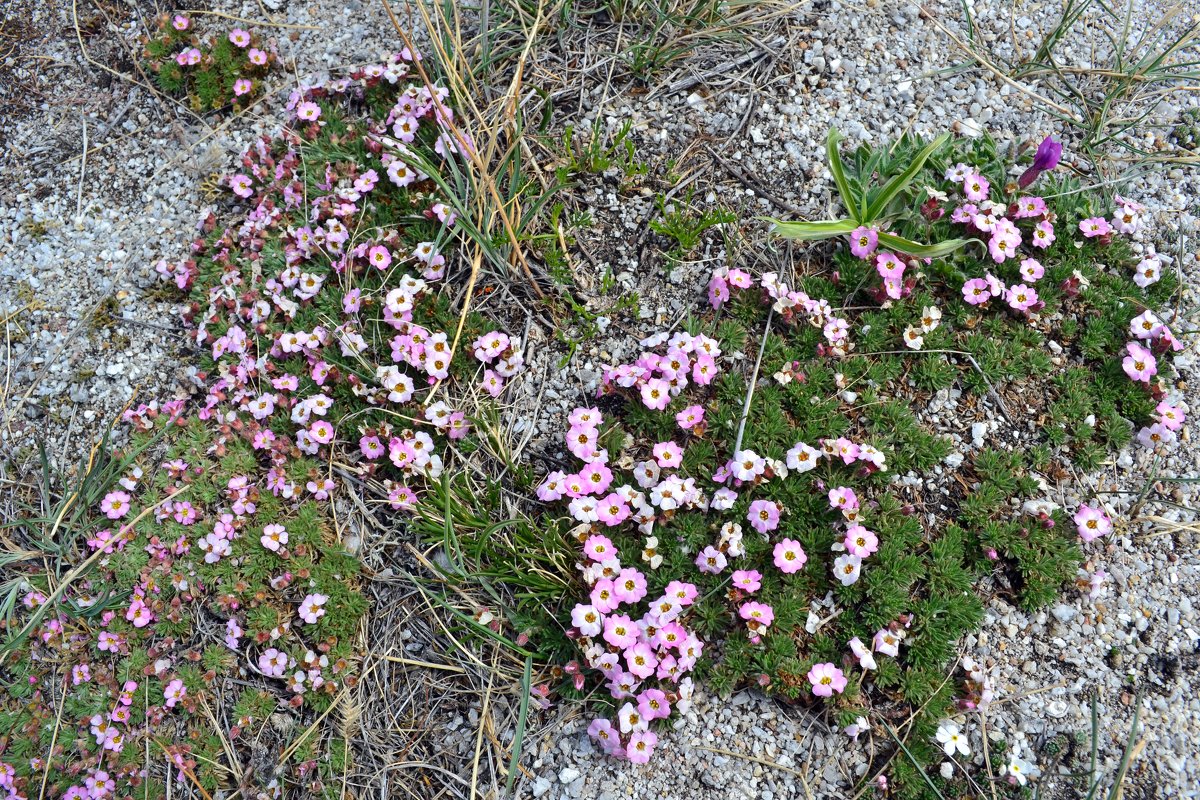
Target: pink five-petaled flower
758 616
1172 417
826 679
180 23
1095 226
860 541
748 580
863 241
1139 365
242 86
241 185
1092 523
1004 242
763 515
656 394
239 38
1032 269
612 510
843 498
789 556
653 704
599 548
115 505
690 417
620 631
1021 297
273 537
1043 234
313 607
668 455
308 111
976 291
641 747
976 187
629 586
711 560
640 660
174 693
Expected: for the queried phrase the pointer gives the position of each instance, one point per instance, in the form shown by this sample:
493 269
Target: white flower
931 317
1019 770
912 338
951 738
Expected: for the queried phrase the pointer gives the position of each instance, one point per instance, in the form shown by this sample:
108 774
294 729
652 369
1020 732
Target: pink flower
863 241
1092 523
1095 226
1004 242
257 57
789 556
308 111
860 541
656 394
976 291
747 580
1172 417
652 704
1155 436
641 660
641 747
886 642
241 185
889 267
1139 365
1032 269
763 515
115 505
757 615
718 292
599 548
379 257
976 187
239 37
1030 207
603 732
1149 270
620 631
273 663
668 455
690 417
180 23
612 510
1043 234
174 693
321 432
711 560
826 679
629 586
1021 297
843 498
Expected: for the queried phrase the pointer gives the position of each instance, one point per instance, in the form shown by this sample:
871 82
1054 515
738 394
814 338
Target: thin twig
737 446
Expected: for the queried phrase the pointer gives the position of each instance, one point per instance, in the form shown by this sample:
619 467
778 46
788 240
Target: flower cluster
791 305
228 68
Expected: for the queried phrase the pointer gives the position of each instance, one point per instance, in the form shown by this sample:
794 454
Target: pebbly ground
86 327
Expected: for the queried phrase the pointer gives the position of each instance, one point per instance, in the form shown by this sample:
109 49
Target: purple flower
1046 158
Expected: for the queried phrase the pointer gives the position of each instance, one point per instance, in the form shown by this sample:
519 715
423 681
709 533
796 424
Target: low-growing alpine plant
223 67
737 495
212 579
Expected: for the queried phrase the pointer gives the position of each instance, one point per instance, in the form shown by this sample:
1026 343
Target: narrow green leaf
839 173
900 182
519 736
890 241
812 231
